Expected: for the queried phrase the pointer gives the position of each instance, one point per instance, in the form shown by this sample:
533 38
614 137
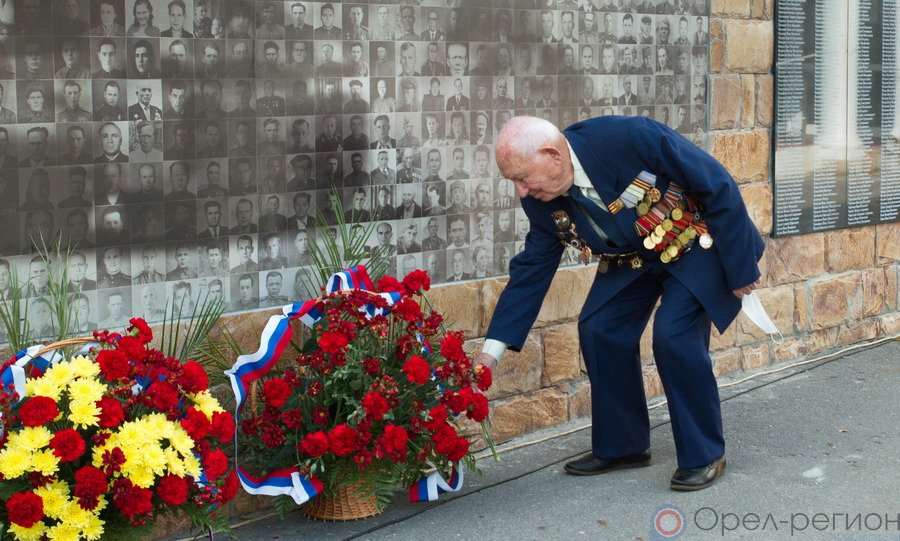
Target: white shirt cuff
494 348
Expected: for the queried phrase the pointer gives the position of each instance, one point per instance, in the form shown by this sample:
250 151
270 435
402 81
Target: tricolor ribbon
275 337
14 375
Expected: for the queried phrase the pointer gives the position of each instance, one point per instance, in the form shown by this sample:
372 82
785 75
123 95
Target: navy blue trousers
610 342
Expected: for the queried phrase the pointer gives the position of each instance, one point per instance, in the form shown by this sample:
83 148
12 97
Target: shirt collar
581 178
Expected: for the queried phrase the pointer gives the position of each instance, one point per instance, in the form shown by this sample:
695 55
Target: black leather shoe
686 479
591 465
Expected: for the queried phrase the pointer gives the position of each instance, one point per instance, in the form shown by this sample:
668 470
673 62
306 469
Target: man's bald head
522 137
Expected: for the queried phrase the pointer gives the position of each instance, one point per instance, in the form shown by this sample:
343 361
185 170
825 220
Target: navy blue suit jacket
613 150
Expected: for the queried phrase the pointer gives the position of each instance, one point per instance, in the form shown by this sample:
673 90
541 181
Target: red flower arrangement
121 434
372 399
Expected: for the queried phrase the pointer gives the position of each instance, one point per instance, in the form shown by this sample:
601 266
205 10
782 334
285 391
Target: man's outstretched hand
485 359
746 290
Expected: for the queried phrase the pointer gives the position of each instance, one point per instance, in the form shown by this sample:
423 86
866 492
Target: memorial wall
837 160
183 148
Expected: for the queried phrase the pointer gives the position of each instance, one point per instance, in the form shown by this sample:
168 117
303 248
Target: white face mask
751 306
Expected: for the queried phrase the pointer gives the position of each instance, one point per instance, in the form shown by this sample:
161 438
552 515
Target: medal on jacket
565 232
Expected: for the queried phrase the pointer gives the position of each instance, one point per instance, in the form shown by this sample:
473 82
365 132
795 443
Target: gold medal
649 243
643 208
660 231
667 224
602 266
672 251
665 257
654 194
636 262
677 214
706 241
690 232
655 238
683 238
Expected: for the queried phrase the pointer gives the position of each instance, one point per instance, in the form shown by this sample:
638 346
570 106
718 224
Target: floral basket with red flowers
378 396
98 445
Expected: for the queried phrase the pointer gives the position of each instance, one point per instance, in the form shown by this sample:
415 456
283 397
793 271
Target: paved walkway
821 438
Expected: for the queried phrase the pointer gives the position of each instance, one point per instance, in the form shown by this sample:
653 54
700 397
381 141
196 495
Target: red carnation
389 284
407 309
172 490
479 410
194 378
131 500
25 509
223 426
67 444
484 377
132 347
292 419
144 332
417 370
276 392
333 341
90 484
393 442
375 405
114 364
371 366
230 487
417 280
195 424
163 395
320 416
451 348
314 444
460 449
341 440
438 416
215 463
38 411
111 412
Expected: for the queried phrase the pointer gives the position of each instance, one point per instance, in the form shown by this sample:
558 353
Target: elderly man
578 192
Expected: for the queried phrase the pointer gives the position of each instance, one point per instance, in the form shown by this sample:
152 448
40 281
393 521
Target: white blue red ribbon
275 337
14 375
430 487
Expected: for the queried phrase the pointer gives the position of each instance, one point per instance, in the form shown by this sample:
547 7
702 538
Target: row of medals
681 243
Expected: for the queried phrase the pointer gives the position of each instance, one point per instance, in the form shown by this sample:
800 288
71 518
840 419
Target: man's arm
705 178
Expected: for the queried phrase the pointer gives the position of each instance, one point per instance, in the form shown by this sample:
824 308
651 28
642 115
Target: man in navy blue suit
647 203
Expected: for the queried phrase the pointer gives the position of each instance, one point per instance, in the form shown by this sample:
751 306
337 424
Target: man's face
434 163
244 213
77 268
664 33
407 18
181 257
327 18
148 299
542 176
546 23
327 53
384 128
627 25
210 58
384 234
215 257
408 60
112 223
115 305
272 55
181 137
107 56
645 28
458 233
567 23
179 177
626 84
69 53
148 259
240 51
483 195
481 162
107 14
298 13
111 95
213 136
568 56
75 140
589 22
34 58
458 263
587 89
245 250
683 29
504 58
36 101
273 169
273 285
481 125
245 288
271 131
332 165
243 171
213 216
177 99
457 59
147 175
112 260
330 126
142 59
627 56
587 58
662 57
178 54
72 94
37 142
356 16
268 14
301 242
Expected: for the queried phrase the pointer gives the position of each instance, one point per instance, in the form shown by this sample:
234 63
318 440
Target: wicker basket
346 504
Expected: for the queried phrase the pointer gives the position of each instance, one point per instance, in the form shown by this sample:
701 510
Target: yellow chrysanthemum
87 390
192 465
93 529
44 387
45 462
56 498
31 437
206 403
174 463
63 531
14 461
84 414
84 367
34 533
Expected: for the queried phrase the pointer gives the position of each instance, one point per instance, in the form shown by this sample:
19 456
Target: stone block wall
822 290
